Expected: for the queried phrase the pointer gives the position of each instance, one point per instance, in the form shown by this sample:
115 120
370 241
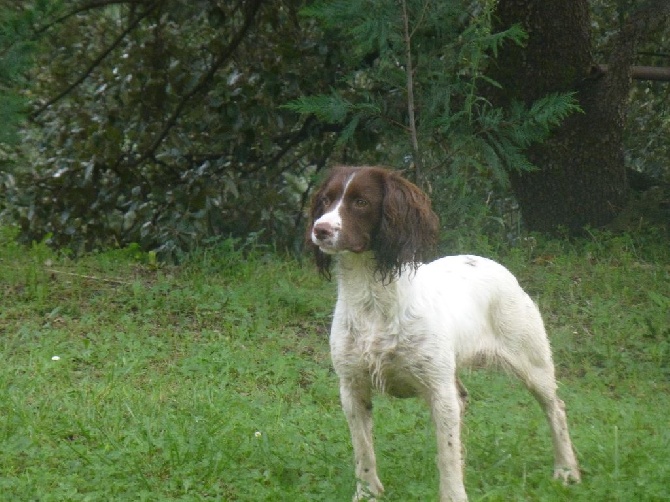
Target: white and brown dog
405 328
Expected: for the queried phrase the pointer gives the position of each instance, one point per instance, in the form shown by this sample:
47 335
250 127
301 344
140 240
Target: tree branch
95 62
643 20
83 8
299 136
660 73
418 165
202 83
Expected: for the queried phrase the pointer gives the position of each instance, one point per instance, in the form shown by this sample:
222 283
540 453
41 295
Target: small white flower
55 358
257 434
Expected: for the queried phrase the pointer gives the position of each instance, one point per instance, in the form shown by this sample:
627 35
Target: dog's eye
360 203
325 201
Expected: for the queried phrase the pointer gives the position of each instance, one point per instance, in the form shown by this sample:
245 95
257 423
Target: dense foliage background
170 123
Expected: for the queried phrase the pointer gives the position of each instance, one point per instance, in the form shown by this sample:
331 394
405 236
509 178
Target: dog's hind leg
527 353
541 382
523 346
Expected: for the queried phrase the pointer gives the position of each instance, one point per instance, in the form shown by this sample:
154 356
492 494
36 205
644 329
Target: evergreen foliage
465 146
451 52
18 43
171 123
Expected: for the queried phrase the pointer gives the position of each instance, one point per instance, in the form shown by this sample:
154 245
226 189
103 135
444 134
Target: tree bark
582 179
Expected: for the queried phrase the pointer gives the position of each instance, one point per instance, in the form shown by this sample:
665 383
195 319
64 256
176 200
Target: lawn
125 379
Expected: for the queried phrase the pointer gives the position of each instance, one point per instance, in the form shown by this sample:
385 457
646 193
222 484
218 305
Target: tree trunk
582 180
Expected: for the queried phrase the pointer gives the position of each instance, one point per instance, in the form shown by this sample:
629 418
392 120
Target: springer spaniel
405 328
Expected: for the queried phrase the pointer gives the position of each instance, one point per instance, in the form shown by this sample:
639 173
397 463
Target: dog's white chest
378 347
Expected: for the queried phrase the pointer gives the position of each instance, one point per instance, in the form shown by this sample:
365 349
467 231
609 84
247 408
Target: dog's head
371 209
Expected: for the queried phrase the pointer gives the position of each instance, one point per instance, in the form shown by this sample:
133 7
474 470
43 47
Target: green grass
212 381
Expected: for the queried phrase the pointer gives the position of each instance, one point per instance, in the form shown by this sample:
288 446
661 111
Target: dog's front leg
357 405
446 410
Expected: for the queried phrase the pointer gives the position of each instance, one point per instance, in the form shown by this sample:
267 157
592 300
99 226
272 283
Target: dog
405 328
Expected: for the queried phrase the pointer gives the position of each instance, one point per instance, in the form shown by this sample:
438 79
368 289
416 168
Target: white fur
333 220
410 336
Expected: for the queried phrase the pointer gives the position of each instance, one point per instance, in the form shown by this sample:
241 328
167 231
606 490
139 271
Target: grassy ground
123 380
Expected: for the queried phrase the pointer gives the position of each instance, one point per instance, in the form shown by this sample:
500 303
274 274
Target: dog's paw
368 492
568 475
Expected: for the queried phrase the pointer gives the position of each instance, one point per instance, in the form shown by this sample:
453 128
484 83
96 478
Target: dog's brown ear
409 227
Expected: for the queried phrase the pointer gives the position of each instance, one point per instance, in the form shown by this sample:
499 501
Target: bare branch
418 165
659 73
